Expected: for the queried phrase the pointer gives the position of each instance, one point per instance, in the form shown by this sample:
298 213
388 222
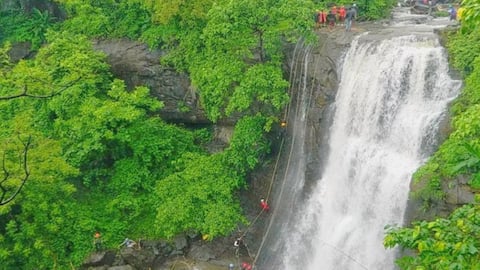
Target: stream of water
394 91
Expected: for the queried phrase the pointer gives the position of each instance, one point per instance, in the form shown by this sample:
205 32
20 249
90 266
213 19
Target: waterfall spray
393 93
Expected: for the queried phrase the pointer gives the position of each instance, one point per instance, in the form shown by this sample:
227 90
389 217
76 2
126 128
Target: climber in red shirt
264 205
342 12
246 266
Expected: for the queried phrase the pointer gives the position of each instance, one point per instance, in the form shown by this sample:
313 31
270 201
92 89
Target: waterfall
393 93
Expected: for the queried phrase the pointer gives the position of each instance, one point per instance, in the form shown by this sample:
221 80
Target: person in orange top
97 241
341 14
323 18
334 10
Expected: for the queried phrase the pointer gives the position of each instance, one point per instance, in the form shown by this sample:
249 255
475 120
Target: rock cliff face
137 65
29 5
323 78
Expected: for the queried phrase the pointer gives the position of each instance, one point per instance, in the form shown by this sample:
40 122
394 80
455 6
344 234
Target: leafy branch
4 191
25 92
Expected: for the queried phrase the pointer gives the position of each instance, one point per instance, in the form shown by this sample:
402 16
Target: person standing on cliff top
331 19
453 13
323 18
342 12
349 18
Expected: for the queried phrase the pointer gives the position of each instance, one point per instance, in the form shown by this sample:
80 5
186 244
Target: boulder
138 65
99 259
201 253
121 267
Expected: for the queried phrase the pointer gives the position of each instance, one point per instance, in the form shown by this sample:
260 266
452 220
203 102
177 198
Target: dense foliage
22 27
231 49
451 243
445 243
100 158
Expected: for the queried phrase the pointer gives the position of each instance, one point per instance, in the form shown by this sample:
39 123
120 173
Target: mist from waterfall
392 96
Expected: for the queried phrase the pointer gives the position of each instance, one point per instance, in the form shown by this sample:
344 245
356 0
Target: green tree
471 15
200 195
451 243
20 27
34 227
240 65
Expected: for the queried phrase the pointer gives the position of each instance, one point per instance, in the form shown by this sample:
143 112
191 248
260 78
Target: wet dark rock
201 253
458 192
419 8
122 267
181 244
138 65
99 259
137 258
19 51
98 268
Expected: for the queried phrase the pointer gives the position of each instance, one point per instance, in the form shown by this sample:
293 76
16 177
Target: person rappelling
283 128
129 243
264 205
237 245
238 242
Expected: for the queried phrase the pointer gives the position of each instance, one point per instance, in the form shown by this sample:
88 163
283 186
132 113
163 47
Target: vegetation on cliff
452 242
97 157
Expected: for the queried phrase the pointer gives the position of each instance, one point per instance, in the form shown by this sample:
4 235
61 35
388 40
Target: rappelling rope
269 188
266 198
283 186
287 112
275 169
251 224
268 194
281 191
276 204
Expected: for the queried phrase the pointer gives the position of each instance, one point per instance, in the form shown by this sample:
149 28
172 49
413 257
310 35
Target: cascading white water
392 95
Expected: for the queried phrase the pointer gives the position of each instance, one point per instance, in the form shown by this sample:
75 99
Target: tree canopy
99 157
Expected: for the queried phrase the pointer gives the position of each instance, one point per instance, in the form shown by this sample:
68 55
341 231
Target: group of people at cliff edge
336 15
